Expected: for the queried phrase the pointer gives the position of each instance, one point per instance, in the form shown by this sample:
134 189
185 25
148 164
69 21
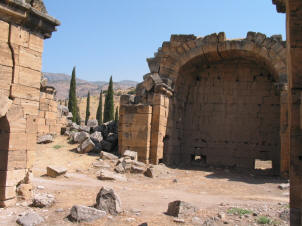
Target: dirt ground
215 192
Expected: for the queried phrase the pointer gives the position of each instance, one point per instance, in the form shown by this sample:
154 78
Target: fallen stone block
85 214
108 156
137 169
80 137
108 201
43 200
86 146
75 127
54 171
180 209
92 123
108 175
96 137
131 154
45 139
30 219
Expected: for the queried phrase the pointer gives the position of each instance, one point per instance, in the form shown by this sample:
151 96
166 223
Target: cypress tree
87 108
99 113
109 104
116 117
72 103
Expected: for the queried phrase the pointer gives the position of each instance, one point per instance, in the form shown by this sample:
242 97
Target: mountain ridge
61 82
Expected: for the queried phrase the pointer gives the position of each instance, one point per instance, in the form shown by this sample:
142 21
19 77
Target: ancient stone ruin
211 100
23 29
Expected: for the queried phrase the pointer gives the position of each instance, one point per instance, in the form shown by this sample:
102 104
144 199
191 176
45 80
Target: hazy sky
114 37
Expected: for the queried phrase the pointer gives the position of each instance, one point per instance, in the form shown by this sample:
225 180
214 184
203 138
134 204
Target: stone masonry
22 31
214 100
51 120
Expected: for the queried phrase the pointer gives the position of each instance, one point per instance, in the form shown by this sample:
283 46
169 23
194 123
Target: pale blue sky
115 37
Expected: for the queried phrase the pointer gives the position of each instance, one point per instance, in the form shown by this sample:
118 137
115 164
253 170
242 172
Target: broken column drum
23 30
214 101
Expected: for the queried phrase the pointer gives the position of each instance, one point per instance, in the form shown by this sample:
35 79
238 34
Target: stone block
30 59
25 92
5 55
19 36
4 30
55 171
36 43
11 160
86 146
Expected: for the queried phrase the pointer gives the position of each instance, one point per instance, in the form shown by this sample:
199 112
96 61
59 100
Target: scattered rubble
130 154
108 201
85 214
86 146
54 171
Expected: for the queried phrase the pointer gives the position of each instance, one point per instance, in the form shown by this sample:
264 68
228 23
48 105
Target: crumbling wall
21 47
220 100
51 119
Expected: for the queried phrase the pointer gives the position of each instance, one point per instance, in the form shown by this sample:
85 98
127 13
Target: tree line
103 115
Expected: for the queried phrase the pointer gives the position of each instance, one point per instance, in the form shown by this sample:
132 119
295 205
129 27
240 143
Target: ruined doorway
228 111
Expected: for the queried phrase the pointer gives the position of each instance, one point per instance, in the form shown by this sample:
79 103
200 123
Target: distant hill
61 83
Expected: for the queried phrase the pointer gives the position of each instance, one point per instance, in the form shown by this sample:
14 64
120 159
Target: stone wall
217 100
21 47
51 119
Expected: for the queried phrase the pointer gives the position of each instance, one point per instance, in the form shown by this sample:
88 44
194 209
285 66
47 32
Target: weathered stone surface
75 126
86 146
45 139
137 169
108 175
96 137
92 123
80 137
30 219
43 200
284 186
54 171
108 156
180 209
80 213
108 201
5 104
131 154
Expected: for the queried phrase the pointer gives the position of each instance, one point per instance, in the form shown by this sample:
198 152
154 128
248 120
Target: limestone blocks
5 104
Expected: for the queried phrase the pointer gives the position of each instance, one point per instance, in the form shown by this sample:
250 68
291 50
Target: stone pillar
159 126
294 50
22 33
135 129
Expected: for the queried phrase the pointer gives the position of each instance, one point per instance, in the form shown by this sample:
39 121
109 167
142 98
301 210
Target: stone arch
263 54
183 48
